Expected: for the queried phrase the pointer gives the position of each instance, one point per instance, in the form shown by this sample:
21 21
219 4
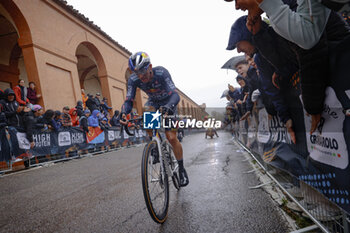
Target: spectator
242 67
91 104
57 120
48 120
104 107
84 97
104 124
74 116
66 119
3 120
97 101
18 116
115 119
241 38
37 110
21 93
243 102
123 121
93 119
313 33
80 108
249 73
32 95
83 121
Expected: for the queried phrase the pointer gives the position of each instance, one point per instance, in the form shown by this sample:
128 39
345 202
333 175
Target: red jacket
18 94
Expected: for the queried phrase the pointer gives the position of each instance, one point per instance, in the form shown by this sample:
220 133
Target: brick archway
91 65
19 42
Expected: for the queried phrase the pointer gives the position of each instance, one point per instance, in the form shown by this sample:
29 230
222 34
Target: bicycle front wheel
155 184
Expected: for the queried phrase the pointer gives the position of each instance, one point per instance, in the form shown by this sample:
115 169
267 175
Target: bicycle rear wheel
155 185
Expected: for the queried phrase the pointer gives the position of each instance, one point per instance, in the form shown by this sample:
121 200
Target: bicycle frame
158 138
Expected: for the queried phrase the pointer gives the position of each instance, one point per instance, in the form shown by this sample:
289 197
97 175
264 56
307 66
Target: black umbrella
231 64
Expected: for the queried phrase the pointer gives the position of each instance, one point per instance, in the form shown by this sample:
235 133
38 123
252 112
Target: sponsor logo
111 135
41 140
191 123
64 139
151 120
330 143
23 142
77 138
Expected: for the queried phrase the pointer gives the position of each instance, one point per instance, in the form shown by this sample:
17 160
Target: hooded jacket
115 119
303 27
75 118
22 120
91 104
10 109
19 94
80 108
93 119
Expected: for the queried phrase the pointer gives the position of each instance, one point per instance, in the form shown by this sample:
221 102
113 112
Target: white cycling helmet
139 61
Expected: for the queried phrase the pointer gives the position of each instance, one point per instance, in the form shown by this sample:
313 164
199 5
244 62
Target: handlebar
163 110
126 127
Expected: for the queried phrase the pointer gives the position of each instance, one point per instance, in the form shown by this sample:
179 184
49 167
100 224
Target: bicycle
154 175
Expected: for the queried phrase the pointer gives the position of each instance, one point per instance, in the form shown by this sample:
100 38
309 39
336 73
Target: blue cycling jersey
160 89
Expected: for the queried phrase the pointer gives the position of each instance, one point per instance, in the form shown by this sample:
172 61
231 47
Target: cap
36 107
98 94
239 32
86 111
66 108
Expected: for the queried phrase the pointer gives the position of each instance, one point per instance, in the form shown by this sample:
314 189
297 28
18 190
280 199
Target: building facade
51 44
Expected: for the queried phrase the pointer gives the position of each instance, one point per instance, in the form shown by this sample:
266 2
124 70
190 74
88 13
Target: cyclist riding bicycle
157 84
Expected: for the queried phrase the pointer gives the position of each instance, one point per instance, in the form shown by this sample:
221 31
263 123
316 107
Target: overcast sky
188 37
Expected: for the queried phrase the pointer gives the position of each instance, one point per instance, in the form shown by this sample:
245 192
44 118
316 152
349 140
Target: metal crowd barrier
314 207
33 160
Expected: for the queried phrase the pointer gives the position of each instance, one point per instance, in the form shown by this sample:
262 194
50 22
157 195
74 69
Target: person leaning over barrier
241 39
158 85
104 124
46 120
57 120
18 116
115 119
313 28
